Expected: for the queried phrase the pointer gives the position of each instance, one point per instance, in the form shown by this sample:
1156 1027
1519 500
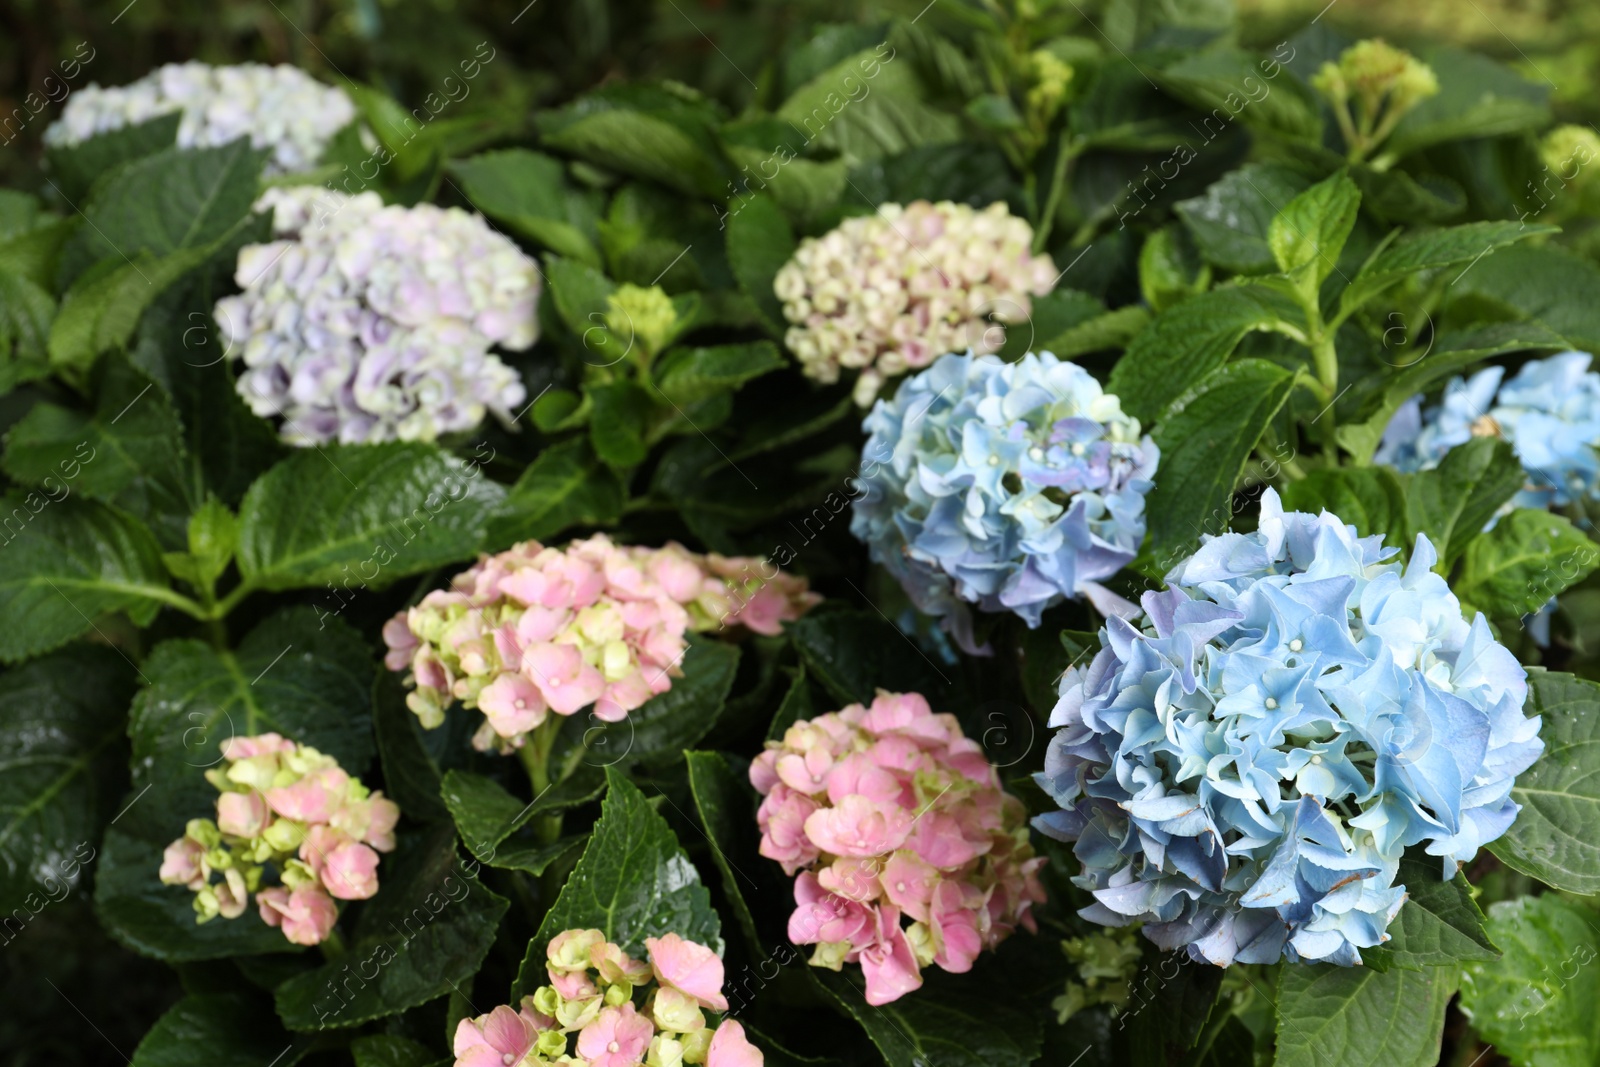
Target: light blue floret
1011 486
1550 412
1242 767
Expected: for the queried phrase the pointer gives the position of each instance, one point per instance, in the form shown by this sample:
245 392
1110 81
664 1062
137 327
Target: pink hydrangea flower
690 968
618 1037
730 1048
536 630
307 913
504 1036
891 815
290 808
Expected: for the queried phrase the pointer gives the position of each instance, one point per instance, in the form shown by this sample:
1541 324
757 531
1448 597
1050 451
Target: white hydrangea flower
892 292
279 108
366 323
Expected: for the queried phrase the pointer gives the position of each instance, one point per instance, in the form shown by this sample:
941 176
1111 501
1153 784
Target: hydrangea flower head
536 630
282 109
1242 767
1549 412
293 809
603 1008
908 852
365 323
1011 486
892 292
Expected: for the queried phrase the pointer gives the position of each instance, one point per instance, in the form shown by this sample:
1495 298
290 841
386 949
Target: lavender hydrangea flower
279 108
1549 412
1011 486
366 323
1242 767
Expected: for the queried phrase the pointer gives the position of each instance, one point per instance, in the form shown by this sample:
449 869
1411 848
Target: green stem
535 756
231 601
1058 182
332 946
1326 357
166 596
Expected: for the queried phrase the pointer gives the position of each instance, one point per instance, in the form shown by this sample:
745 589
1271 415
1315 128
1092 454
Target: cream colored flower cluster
892 292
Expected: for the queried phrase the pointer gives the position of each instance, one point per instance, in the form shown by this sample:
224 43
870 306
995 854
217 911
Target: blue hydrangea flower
1007 485
1242 767
1550 412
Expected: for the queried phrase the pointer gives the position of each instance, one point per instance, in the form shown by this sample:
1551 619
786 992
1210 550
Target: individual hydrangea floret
1242 767
603 1008
1012 486
365 323
1549 412
892 292
536 630
890 813
282 109
286 808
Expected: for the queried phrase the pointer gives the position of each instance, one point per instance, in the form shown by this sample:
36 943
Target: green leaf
796 705
690 375
565 486
580 293
723 803
292 675
1453 502
1446 355
60 720
632 882
1170 268
1189 341
1529 557
1452 246
1310 231
617 423
410 776
760 241
373 513
1174 998
1205 439
944 1023
210 1028
659 730
1540 282
1439 924
1359 1017
1369 498
1114 329
527 192
1231 220
74 168
164 203
103 307
1227 81
64 562
666 145
26 311
388 1050
868 107
486 814
1553 838
855 653
134 437
1537 1004
1477 97
426 932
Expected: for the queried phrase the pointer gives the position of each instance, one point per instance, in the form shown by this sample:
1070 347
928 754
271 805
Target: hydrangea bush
1204 440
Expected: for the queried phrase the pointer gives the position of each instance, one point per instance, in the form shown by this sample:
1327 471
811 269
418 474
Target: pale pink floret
692 969
307 914
181 863
351 872
313 798
567 683
782 819
241 814
888 964
237 748
504 1036
730 1048
512 704
618 1037
859 826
